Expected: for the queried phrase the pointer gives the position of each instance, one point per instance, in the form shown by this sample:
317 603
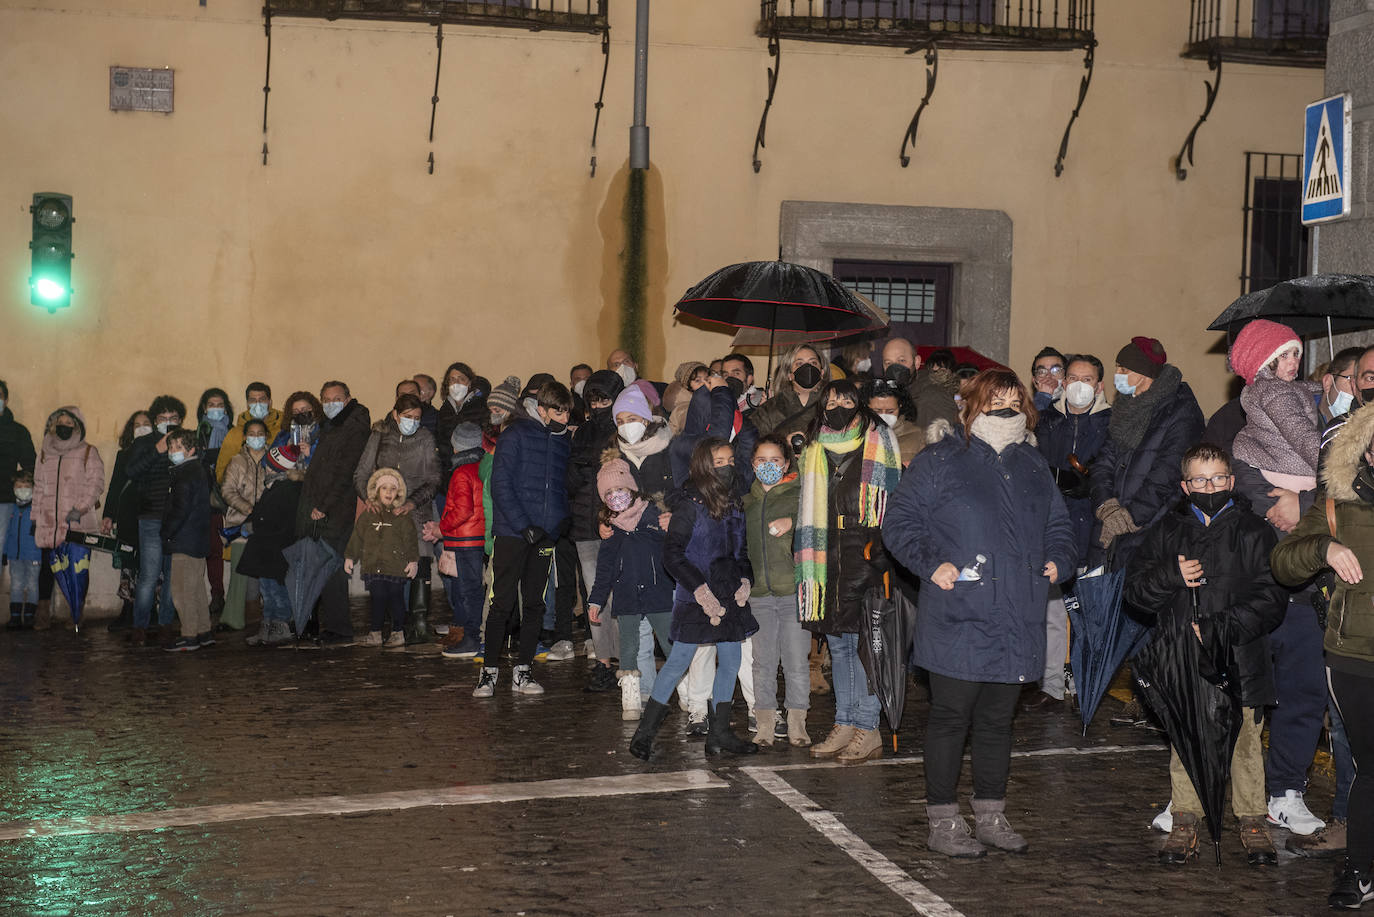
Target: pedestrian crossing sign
1326 160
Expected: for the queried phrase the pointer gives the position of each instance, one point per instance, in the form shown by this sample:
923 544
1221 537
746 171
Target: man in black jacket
328 503
150 471
186 538
16 454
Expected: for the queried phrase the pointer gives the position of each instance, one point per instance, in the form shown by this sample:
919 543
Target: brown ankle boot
1254 837
1182 843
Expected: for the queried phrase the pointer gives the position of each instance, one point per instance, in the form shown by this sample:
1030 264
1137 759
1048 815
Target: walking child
383 546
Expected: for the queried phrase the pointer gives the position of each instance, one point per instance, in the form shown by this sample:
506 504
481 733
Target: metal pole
1316 254
639 131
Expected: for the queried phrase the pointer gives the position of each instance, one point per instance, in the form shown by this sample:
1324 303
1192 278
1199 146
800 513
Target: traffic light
50 283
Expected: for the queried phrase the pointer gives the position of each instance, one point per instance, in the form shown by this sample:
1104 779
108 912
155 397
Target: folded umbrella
1103 636
310 562
71 572
889 622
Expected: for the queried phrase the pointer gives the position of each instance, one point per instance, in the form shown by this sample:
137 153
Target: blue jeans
465 591
151 563
1300 682
1344 760
276 601
727 670
854 706
24 581
6 511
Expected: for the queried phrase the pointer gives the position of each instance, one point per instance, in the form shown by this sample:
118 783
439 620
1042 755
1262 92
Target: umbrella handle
887 592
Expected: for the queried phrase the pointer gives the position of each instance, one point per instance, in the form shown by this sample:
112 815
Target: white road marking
920 759
628 785
922 899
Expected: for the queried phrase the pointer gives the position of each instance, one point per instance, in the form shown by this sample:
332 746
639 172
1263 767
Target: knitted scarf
882 466
1131 414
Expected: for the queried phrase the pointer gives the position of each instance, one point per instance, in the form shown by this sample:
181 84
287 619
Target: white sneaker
374 638
395 641
1289 811
441 630
523 682
631 707
1164 821
561 651
589 649
486 683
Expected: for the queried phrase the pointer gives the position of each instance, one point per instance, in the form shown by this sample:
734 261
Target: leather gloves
534 535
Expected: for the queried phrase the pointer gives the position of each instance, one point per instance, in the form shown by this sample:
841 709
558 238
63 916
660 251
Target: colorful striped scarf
882 466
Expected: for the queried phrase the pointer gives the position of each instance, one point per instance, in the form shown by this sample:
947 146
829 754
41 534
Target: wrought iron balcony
559 15
1022 25
1285 33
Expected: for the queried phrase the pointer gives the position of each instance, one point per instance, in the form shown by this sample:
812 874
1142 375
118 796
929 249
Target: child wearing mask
384 547
464 526
24 556
186 539
271 529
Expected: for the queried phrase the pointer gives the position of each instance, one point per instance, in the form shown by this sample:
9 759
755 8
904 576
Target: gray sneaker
522 682
561 651
486 683
992 828
279 634
950 834
260 637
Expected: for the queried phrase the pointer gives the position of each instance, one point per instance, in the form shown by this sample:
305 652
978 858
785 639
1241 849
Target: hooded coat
701 550
592 438
1239 605
383 544
329 479
243 483
1283 430
16 453
69 475
771 555
933 395
414 456
959 499
464 523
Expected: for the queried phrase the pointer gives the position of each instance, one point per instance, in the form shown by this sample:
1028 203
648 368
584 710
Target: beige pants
1247 774
191 594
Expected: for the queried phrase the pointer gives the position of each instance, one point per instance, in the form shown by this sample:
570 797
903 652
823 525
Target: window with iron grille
915 296
1274 241
558 15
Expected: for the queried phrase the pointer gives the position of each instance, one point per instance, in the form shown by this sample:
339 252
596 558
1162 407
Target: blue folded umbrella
310 562
1103 636
71 572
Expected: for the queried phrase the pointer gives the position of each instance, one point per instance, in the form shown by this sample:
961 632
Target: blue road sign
1326 160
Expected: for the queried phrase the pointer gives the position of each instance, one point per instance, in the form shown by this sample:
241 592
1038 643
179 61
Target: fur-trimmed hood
1345 453
376 479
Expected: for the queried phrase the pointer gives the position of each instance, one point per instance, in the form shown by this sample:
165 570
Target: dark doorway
915 296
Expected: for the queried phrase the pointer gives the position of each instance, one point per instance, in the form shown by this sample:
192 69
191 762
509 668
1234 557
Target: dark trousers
334 617
565 588
214 561
388 596
1354 695
956 708
1300 683
519 573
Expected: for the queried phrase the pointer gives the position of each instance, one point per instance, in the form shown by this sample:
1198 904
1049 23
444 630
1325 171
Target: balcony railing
1286 33
1050 25
558 15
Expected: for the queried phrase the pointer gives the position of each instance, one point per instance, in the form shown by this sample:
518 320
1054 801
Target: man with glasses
1356 378
1047 377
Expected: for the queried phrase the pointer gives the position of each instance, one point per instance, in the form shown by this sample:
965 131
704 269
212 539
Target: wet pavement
531 805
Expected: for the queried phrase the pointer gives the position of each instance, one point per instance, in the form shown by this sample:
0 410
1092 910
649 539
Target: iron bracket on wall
775 52
267 79
1213 63
932 71
601 96
1082 94
434 99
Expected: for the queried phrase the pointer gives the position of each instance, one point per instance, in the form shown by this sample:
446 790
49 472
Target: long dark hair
842 388
206 396
127 437
717 497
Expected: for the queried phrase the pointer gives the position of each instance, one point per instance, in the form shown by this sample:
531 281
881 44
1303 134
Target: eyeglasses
1218 481
1047 371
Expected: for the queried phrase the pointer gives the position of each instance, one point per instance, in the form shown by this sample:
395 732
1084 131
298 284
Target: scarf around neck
1000 432
881 467
627 520
649 445
1131 414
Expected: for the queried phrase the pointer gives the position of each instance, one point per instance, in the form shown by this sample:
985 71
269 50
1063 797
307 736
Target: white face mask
531 406
1341 403
408 425
889 419
863 365
163 426
142 431
579 387
24 495
626 372
1080 394
257 443
632 432
457 392
333 409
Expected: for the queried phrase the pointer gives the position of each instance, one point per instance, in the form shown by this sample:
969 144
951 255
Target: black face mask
725 474
601 415
64 432
1209 503
557 426
897 374
1367 396
839 417
806 375
1003 412
736 386
303 419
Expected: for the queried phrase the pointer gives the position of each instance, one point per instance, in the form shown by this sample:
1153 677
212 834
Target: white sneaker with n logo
1289 811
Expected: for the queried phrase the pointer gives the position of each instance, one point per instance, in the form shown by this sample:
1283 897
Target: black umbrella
889 620
1103 636
1201 716
780 296
1309 305
310 562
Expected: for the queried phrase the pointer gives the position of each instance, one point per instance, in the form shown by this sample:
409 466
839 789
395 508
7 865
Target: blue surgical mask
214 414
258 410
768 473
257 443
2 405
408 426
333 408
176 457
1122 385
1342 403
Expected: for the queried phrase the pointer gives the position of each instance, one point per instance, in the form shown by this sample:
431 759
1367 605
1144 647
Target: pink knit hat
614 475
1257 344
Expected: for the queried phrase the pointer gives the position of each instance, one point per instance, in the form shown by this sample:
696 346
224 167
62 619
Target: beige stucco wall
196 265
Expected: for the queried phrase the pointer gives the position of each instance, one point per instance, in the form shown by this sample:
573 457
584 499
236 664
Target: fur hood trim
1345 454
376 479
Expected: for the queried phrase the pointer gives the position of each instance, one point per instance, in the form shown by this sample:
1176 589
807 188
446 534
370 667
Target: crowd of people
737 523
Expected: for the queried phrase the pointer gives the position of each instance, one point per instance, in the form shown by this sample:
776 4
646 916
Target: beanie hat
603 383
504 397
281 458
632 401
647 388
466 436
1257 344
1143 355
615 475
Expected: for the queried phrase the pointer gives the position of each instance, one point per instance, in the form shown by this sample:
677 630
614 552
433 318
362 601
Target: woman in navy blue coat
978 516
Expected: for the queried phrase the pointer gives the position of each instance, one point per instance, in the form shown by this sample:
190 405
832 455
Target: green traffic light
49 290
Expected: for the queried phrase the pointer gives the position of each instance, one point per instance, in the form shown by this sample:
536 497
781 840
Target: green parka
771 555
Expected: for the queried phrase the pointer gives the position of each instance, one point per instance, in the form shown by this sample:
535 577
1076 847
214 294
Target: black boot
650 721
417 618
30 615
125 619
719 738
16 621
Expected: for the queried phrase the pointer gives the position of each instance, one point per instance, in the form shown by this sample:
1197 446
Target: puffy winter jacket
69 475
413 456
700 550
244 481
933 396
771 555
19 543
381 543
960 499
16 453
1283 430
329 479
186 516
711 413
591 439
464 524
150 472
1239 605
1059 435
528 480
629 567
474 410
233 440
274 527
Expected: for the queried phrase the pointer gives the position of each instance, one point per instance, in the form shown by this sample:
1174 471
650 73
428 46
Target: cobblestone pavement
90 728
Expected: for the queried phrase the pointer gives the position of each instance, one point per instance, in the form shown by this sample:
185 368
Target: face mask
256 443
1341 404
807 376
408 426
24 495
258 410
839 417
889 419
556 426
579 387
725 474
306 418
736 386
142 431
332 409
531 406
1124 387
63 433
1003 412
214 414
626 372
497 418
1210 503
176 457
163 426
863 365
769 473
1367 396
2 405
1079 394
601 415
898 374
632 432
619 500
457 392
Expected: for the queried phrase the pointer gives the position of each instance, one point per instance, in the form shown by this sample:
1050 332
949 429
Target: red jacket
464 523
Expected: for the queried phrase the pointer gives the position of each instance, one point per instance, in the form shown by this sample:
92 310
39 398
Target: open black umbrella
1103 636
1201 716
889 620
1309 305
